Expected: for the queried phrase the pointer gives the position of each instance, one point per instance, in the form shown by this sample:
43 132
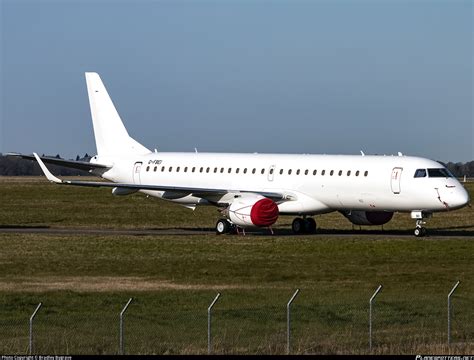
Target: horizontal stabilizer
80 165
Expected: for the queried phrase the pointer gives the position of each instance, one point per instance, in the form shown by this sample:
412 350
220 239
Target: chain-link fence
241 322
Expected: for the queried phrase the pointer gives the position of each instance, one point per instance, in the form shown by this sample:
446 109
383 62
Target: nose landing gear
420 230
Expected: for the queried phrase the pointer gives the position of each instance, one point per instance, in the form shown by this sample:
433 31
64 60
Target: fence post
449 311
31 328
288 318
209 323
370 315
122 345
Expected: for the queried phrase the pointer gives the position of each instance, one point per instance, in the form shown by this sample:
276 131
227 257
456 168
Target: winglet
48 174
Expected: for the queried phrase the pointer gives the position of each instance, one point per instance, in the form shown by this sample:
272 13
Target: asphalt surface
432 233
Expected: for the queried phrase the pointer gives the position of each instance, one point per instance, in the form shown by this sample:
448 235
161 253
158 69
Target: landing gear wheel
298 226
420 231
309 225
223 226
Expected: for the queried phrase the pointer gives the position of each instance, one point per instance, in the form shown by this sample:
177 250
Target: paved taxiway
434 233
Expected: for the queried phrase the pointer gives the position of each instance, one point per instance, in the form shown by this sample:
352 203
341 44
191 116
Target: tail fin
111 137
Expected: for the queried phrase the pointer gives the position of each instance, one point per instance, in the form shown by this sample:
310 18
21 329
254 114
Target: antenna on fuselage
362 153
196 150
400 154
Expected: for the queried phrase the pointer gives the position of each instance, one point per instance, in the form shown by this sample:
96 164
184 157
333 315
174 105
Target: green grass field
83 281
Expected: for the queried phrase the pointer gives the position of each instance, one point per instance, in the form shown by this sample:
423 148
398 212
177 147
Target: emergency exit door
271 172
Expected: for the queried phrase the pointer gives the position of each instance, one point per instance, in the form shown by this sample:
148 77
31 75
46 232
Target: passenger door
136 172
396 179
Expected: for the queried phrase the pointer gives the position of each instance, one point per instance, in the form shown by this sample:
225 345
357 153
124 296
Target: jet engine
253 210
368 217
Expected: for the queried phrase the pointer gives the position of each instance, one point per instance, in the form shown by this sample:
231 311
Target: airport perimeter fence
239 323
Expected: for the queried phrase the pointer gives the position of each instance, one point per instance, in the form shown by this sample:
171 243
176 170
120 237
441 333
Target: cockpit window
438 173
420 173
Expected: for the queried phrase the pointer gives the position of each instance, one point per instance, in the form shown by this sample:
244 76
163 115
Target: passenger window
348 173
420 173
331 173
281 171
229 170
162 168
253 171
245 171
366 173
177 169
289 172
147 168
357 173
298 172
186 169
306 172
170 169
155 168
222 170
271 171
315 172
323 172
201 169
215 170
194 169
340 172
237 170
207 170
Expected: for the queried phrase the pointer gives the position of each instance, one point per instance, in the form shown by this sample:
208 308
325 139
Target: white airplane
252 190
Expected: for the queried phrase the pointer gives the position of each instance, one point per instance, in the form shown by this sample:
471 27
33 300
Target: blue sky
242 76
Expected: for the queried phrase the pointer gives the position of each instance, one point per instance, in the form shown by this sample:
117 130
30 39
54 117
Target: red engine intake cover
264 212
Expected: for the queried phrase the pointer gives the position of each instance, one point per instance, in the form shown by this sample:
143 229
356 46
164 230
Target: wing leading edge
200 192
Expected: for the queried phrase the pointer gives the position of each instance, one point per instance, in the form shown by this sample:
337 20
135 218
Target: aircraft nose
461 197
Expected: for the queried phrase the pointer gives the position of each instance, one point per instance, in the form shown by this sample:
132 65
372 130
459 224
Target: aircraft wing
199 192
80 165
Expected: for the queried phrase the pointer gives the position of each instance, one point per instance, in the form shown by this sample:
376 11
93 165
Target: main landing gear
299 226
420 230
224 226
304 226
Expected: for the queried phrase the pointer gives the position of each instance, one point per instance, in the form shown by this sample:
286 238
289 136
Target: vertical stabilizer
111 137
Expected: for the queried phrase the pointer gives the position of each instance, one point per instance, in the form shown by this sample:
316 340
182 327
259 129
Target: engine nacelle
368 217
253 211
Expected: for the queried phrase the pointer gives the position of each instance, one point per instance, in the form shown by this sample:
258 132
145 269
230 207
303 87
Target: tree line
461 169
15 166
